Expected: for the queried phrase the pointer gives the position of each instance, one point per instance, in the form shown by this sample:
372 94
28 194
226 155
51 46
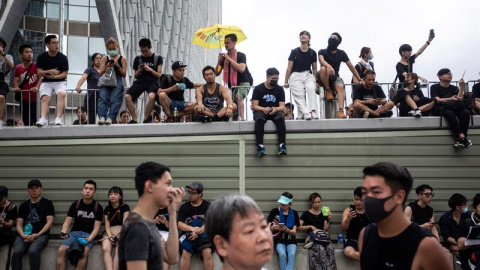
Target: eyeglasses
429 194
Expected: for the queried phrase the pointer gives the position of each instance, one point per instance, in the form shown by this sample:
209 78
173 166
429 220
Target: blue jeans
111 100
34 250
284 250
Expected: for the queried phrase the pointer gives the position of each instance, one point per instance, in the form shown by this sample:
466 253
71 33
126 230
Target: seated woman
115 213
411 101
284 221
320 257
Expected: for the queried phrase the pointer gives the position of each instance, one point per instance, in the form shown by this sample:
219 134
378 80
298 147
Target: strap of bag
27 77
116 212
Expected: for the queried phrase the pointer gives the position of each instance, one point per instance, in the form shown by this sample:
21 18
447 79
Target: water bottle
340 240
27 229
175 117
82 241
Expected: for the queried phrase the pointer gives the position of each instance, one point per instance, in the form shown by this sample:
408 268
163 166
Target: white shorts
46 88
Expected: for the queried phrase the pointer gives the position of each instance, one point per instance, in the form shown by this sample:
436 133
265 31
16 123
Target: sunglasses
429 194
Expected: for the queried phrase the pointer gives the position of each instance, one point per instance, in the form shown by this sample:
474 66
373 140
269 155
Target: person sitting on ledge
410 100
369 99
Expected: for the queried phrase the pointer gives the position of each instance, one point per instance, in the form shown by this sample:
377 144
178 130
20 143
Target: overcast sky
273 26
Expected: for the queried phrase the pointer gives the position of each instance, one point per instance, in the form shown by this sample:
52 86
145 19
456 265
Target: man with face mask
268 103
394 242
330 60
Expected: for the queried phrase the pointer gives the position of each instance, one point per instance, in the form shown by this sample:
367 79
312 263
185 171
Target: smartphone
432 33
281 224
142 65
433 223
352 207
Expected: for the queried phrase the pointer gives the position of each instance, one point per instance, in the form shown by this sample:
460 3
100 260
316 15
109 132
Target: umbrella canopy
213 36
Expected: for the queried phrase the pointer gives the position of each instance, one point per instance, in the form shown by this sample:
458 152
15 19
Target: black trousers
29 112
90 105
451 112
261 118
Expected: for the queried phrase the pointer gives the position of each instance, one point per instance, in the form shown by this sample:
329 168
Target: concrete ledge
222 128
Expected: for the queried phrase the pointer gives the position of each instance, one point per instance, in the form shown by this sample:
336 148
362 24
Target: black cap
3 192
177 64
443 71
34 182
196 186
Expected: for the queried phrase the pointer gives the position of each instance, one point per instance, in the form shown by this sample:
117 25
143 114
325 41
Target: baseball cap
284 200
34 182
196 186
443 71
177 64
3 192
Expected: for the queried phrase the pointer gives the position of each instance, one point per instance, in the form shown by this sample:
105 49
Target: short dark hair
122 112
476 201
404 48
364 51
23 47
368 72
90 182
272 71
396 177
93 57
312 197
49 38
233 37
148 171
455 200
338 35
421 188
3 42
358 192
118 190
145 42
219 220
207 68
290 105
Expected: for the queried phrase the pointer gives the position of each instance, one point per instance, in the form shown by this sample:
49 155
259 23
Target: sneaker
58 121
282 150
418 113
108 121
148 120
341 114
329 94
411 113
315 115
459 145
386 114
101 121
466 142
307 116
133 122
261 151
366 114
42 122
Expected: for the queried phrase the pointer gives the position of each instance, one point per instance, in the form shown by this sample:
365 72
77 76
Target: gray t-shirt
140 241
4 68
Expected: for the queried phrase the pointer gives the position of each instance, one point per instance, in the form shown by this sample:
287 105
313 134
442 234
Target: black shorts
4 89
351 243
137 89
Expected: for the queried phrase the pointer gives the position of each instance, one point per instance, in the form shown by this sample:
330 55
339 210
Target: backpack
169 77
317 237
249 76
155 61
469 100
78 205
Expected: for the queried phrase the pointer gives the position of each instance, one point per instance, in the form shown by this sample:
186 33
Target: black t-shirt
356 225
193 216
286 238
420 215
311 219
169 81
362 93
448 225
116 214
437 90
268 97
147 77
161 226
464 226
241 77
46 62
302 61
334 59
140 241
401 68
85 216
361 69
395 252
36 213
92 78
476 90
9 212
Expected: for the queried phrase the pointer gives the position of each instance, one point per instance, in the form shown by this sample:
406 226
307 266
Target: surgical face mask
375 210
465 210
333 44
370 57
273 83
112 52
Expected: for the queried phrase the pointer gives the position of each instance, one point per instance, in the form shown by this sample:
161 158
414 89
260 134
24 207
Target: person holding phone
285 220
421 212
353 221
369 100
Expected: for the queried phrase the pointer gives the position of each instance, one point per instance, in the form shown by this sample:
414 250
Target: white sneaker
58 121
42 122
108 122
411 113
101 121
366 114
418 113
315 115
1 123
307 116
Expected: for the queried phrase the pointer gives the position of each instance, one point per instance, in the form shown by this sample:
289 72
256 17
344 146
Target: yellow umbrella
213 36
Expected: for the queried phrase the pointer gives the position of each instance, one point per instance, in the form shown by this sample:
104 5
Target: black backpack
249 76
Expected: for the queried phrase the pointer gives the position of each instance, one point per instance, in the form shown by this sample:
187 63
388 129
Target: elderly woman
321 256
283 221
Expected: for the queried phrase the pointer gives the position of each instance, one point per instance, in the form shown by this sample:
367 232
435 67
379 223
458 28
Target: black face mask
333 44
273 83
374 208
